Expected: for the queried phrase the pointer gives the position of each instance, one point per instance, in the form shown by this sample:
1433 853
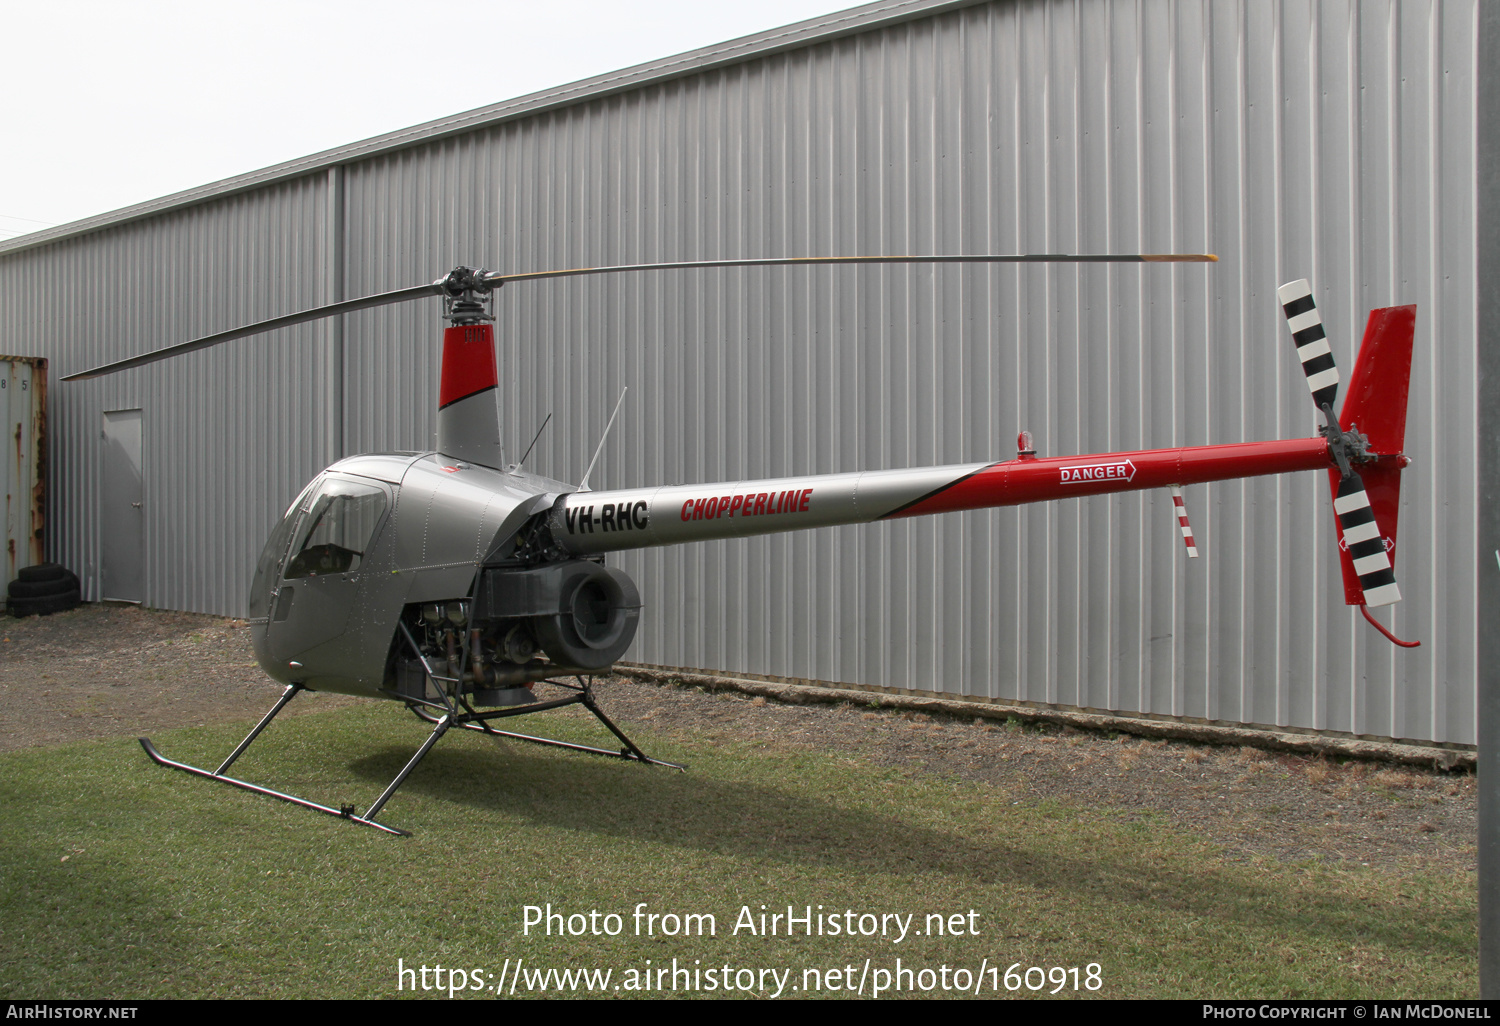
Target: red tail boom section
1037 480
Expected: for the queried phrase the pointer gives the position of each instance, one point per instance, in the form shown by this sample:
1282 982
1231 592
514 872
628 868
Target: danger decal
610 516
1085 473
749 504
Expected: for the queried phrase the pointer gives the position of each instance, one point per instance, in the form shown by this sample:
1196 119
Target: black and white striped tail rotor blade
1361 535
1366 546
1312 344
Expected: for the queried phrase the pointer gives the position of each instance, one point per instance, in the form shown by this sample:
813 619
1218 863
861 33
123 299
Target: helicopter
454 583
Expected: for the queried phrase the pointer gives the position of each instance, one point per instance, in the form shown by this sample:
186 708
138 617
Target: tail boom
605 521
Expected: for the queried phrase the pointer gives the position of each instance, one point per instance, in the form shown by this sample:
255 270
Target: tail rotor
1376 403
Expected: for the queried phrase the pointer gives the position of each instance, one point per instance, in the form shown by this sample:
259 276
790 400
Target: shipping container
23 460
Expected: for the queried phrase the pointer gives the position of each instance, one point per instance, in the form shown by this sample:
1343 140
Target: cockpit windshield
264 585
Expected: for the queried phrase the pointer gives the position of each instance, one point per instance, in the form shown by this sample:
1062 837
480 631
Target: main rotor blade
1025 258
332 309
495 279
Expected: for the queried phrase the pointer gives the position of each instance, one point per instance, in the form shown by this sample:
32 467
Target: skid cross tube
584 696
291 692
471 719
432 739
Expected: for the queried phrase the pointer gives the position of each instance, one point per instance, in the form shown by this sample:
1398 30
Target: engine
519 626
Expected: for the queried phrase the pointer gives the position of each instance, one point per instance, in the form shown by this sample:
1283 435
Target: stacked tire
42 589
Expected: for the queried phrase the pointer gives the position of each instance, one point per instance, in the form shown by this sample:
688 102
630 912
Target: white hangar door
123 519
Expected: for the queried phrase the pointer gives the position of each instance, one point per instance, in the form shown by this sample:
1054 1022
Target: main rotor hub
466 295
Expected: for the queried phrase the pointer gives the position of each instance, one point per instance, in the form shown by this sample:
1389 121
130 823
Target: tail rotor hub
1346 447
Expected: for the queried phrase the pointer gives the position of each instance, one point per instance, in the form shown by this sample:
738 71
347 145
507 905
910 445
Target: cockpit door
321 572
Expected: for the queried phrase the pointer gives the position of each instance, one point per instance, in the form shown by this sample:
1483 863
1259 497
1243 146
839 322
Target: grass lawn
122 879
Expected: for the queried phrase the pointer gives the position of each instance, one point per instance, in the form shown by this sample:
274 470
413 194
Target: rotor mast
468 422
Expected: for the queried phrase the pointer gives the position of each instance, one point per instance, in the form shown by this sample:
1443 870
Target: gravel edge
1444 759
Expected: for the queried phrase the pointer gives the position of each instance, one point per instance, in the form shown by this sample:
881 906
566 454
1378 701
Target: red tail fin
1376 406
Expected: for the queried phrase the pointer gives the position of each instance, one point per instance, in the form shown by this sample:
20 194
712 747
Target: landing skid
460 715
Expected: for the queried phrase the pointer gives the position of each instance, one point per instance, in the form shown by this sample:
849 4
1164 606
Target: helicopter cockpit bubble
311 577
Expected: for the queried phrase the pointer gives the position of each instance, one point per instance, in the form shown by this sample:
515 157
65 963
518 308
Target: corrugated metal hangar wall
1330 140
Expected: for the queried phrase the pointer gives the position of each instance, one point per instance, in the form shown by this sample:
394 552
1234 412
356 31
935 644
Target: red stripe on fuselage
468 362
1037 480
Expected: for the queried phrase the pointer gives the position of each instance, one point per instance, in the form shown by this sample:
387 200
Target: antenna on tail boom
583 485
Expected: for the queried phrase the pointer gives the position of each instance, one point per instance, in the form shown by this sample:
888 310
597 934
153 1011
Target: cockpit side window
337 529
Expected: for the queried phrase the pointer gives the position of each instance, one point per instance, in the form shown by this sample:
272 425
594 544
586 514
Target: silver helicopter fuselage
436 521
479 554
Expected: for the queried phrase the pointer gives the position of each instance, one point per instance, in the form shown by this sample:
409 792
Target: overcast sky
108 104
